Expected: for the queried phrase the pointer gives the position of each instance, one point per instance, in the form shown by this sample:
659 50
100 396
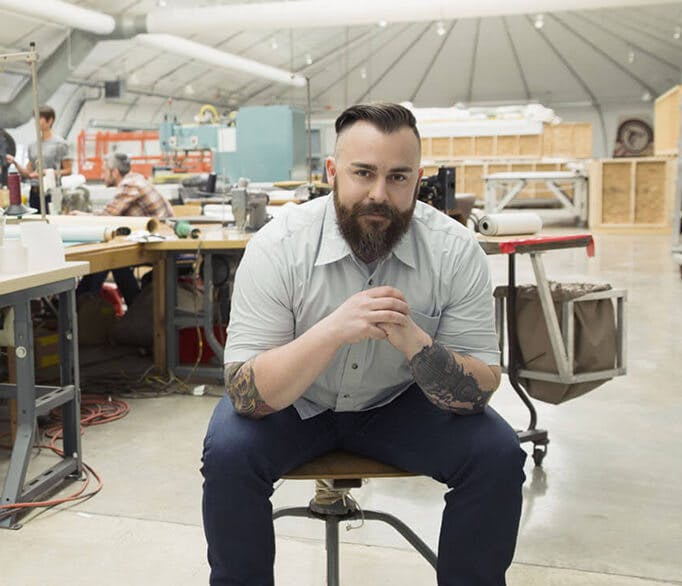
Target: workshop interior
549 130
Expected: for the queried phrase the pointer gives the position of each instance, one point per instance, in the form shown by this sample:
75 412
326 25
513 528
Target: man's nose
378 192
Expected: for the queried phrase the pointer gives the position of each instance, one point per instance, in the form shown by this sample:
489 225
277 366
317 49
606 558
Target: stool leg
332 544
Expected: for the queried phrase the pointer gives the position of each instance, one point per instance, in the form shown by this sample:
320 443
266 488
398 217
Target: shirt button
346 396
370 282
354 366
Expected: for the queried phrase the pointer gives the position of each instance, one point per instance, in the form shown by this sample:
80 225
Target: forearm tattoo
444 382
241 388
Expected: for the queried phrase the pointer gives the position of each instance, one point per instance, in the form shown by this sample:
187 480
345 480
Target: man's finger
389 303
386 291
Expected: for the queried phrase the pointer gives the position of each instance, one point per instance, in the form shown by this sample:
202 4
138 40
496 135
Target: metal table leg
539 437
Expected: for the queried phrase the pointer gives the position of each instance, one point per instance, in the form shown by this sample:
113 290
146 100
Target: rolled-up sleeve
467 323
261 317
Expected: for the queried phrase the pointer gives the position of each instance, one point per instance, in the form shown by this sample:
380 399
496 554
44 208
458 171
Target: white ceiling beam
331 13
64 13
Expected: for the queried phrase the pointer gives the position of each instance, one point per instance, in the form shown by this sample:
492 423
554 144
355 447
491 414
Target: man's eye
399 178
362 173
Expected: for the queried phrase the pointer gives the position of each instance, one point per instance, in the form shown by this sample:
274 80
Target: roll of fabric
510 224
71 233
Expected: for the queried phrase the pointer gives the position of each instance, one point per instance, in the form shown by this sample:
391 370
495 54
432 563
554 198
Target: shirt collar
333 246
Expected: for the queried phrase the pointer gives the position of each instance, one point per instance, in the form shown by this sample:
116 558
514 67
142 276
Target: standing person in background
56 155
135 196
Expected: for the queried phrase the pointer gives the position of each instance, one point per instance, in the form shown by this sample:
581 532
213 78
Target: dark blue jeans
477 456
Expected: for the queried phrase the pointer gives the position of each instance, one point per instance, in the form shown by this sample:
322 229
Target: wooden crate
667 122
572 140
628 194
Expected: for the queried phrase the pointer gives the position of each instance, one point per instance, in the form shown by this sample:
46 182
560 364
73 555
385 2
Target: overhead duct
58 12
316 14
187 48
52 72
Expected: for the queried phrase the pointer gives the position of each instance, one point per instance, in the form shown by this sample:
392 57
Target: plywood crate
667 122
628 194
571 140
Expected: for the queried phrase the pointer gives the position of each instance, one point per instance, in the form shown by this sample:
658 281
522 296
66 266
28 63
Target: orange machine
93 149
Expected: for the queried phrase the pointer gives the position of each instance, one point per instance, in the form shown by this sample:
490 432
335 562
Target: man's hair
386 117
47 112
119 161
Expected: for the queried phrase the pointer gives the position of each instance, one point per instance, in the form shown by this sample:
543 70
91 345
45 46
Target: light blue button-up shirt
298 269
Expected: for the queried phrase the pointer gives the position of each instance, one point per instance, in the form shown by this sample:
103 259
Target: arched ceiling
616 55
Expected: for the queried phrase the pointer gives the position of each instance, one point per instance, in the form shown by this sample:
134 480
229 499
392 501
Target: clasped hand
377 314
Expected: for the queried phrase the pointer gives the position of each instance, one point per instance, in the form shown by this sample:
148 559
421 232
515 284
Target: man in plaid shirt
135 197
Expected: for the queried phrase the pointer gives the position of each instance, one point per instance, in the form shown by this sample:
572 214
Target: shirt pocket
428 323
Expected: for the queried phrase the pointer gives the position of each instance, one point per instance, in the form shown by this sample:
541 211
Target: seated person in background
364 320
135 196
55 156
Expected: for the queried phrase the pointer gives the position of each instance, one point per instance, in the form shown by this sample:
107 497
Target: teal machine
267 144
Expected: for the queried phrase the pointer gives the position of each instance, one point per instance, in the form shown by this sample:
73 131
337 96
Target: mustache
379 209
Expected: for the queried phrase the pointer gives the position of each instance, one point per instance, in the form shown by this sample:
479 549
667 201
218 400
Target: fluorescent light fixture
677 33
646 96
539 21
440 28
631 56
383 24
206 54
308 59
363 73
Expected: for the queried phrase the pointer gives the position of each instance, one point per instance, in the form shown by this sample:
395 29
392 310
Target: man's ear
330 164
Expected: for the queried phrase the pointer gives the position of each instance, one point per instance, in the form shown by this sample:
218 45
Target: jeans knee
496 453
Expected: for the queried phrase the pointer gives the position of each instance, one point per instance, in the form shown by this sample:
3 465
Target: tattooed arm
451 381
454 382
242 390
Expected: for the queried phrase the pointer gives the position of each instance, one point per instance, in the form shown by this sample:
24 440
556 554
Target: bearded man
364 321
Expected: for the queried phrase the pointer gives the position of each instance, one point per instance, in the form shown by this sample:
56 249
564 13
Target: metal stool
335 474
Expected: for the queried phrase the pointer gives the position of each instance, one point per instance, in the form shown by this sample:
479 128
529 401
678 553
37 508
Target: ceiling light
677 33
273 44
539 21
134 79
189 89
631 56
440 28
363 73
383 24
308 59
646 96
161 3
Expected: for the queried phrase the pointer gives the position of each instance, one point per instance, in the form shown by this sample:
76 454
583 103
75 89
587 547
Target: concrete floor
605 509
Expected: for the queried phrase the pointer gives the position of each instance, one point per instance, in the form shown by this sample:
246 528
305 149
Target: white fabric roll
69 233
510 224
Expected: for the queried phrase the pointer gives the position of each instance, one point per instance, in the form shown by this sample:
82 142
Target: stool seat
341 465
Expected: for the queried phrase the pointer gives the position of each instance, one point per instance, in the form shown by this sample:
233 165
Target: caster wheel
539 454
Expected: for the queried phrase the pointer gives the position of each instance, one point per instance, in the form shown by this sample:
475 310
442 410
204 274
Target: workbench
17 291
512 183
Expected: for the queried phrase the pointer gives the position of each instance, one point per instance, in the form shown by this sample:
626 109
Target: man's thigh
272 445
415 435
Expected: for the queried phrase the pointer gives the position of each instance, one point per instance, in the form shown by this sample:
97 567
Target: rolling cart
562 340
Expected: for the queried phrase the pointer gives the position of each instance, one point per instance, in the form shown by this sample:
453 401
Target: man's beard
371 240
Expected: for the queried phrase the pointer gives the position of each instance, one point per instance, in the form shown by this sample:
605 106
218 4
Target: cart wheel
539 454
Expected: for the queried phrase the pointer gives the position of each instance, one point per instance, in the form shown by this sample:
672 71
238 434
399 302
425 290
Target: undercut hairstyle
385 116
47 112
119 161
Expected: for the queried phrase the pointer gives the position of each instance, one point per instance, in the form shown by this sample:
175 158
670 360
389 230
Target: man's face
109 179
375 178
45 124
